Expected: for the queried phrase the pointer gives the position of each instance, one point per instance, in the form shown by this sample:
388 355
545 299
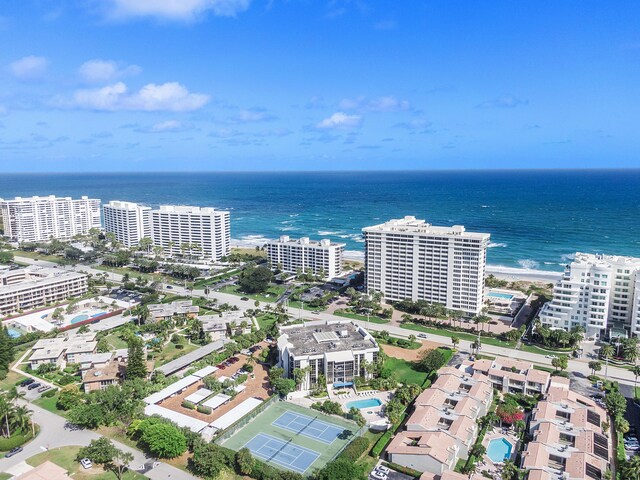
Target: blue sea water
537 219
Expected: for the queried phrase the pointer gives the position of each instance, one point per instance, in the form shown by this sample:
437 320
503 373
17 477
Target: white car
383 469
550 356
422 335
377 475
86 463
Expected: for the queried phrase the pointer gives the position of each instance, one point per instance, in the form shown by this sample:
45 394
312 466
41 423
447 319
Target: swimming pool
504 296
14 332
499 450
79 318
365 403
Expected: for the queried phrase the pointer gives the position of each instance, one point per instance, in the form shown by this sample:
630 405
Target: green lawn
461 335
295 305
5 476
355 316
271 295
151 277
115 341
545 351
49 404
65 458
405 371
39 256
266 320
170 352
10 380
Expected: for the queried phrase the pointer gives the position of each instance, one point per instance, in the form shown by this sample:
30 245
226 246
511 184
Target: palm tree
455 341
636 372
510 471
631 468
22 419
607 352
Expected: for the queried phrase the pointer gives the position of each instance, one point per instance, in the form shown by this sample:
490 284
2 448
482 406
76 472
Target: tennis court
293 437
308 426
285 454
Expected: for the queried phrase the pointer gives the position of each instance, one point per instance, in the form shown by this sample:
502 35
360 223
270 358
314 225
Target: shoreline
503 273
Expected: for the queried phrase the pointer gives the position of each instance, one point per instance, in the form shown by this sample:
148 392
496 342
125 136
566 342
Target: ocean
537 219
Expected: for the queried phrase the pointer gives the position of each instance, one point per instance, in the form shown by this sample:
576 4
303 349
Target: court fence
356 434
228 432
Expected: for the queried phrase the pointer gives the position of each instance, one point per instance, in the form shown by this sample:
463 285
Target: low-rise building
62 350
226 324
101 377
569 441
338 350
166 311
45 471
511 376
443 425
33 287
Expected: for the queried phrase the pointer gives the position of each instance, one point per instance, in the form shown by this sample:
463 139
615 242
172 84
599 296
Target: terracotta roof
437 445
45 471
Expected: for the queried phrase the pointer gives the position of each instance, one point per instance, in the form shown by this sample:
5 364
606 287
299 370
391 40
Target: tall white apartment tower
322 257
128 221
205 230
412 259
597 292
38 219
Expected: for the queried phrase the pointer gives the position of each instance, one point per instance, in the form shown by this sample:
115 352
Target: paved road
54 434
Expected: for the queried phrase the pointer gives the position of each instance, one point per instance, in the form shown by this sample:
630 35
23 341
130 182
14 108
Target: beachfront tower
128 221
414 260
322 257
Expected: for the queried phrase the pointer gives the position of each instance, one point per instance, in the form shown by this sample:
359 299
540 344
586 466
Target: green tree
455 341
616 404
105 453
255 279
607 352
69 397
510 471
6 257
136 365
595 366
245 461
636 373
561 362
431 360
631 468
207 461
164 440
7 353
340 469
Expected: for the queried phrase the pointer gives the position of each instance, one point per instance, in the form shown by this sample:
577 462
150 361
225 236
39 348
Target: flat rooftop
411 225
324 337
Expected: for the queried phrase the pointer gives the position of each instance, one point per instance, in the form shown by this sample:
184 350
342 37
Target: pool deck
495 434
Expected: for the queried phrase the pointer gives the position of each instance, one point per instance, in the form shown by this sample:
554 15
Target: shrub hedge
203 409
13 441
355 449
189 405
381 444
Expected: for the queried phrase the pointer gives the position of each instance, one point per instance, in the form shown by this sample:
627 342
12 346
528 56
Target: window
593 418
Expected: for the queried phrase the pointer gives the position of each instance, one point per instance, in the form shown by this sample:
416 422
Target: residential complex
569 441
599 293
337 350
71 348
128 221
196 231
39 219
166 311
443 425
412 259
323 257
508 375
32 287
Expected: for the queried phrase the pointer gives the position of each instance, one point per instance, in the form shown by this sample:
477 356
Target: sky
172 85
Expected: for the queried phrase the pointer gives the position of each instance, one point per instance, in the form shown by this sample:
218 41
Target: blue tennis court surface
285 454
309 427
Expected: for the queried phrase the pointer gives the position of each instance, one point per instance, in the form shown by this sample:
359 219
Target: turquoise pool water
506 296
499 450
79 318
365 403
14 333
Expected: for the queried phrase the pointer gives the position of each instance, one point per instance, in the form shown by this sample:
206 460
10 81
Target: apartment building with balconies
128 221
321 257
511 376
39 219
598 293
412 259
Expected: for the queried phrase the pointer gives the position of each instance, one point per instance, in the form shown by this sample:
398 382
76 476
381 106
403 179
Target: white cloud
102 71
170 96
380 104
255 115
175 9
340 120
503 102
29 68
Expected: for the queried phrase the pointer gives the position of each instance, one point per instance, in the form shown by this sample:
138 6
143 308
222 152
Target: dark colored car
221 366
13 452
244 299
27 382
234 359
33 385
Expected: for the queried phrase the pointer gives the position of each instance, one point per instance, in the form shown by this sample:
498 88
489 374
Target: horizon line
408 170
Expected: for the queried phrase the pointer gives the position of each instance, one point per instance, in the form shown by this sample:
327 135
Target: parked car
378 475
244 299
34 385
316 312
169 287
43 388
383 469
27 382
86 463
233 359
221 366
13 452
551 357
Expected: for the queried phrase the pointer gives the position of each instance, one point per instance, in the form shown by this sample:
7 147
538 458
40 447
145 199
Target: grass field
262 424
271 295
11 379
65 458
461 335
405 371
363 318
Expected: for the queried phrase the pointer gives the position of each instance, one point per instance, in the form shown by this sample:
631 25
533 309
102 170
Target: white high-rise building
322 257
38 219
197 231
411 259
128 221
597 292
